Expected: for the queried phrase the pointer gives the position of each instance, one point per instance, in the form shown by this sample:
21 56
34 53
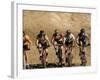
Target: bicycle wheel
83 60
69 59
60 56
44 59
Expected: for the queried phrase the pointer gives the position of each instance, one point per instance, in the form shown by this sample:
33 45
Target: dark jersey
41 38
82 37
58 38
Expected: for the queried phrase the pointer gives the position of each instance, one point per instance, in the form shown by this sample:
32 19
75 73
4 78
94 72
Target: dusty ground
34 21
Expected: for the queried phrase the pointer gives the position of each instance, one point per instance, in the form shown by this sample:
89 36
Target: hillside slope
34 21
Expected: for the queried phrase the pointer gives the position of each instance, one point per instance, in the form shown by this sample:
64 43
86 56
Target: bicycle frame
43 59
69 56
83 56
60 54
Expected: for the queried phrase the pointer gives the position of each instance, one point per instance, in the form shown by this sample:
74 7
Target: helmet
41 31
56 30
82 30
68 31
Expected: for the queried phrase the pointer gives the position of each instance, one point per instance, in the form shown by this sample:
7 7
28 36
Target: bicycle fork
83 56
69 56
43 59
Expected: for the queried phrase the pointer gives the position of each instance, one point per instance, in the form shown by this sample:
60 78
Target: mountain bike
59 54
43 57
82 54
69 56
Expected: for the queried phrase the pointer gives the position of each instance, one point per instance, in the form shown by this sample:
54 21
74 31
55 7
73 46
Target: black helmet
82 30
68 31
41 31
56 30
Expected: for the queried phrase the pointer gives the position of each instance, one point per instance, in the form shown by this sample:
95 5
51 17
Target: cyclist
43 42
57 41
26 46
82 39
69 42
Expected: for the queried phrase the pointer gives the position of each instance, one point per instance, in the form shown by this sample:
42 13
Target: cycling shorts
26 47
68 43
44 45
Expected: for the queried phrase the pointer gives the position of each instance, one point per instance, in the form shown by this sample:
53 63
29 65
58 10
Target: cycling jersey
58 38
69 38
82 38
42 41
41 38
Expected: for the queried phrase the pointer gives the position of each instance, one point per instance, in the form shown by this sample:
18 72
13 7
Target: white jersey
69 38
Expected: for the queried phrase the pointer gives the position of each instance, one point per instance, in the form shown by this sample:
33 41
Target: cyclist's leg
84 46
56 50
25 59
60 55
62 49
40 50
83 59
66 55
84 49
71 46
80 50
80 47
46 51
67 45
56 47
69 55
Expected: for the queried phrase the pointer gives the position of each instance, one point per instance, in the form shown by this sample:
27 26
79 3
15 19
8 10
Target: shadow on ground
50 65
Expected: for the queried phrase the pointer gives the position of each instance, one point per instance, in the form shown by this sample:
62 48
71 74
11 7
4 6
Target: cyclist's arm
76 40
52 40
64 42
46 37
28 39
88 38
37 41
73 39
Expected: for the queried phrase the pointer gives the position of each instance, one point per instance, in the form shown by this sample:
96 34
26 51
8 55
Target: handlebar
85 45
